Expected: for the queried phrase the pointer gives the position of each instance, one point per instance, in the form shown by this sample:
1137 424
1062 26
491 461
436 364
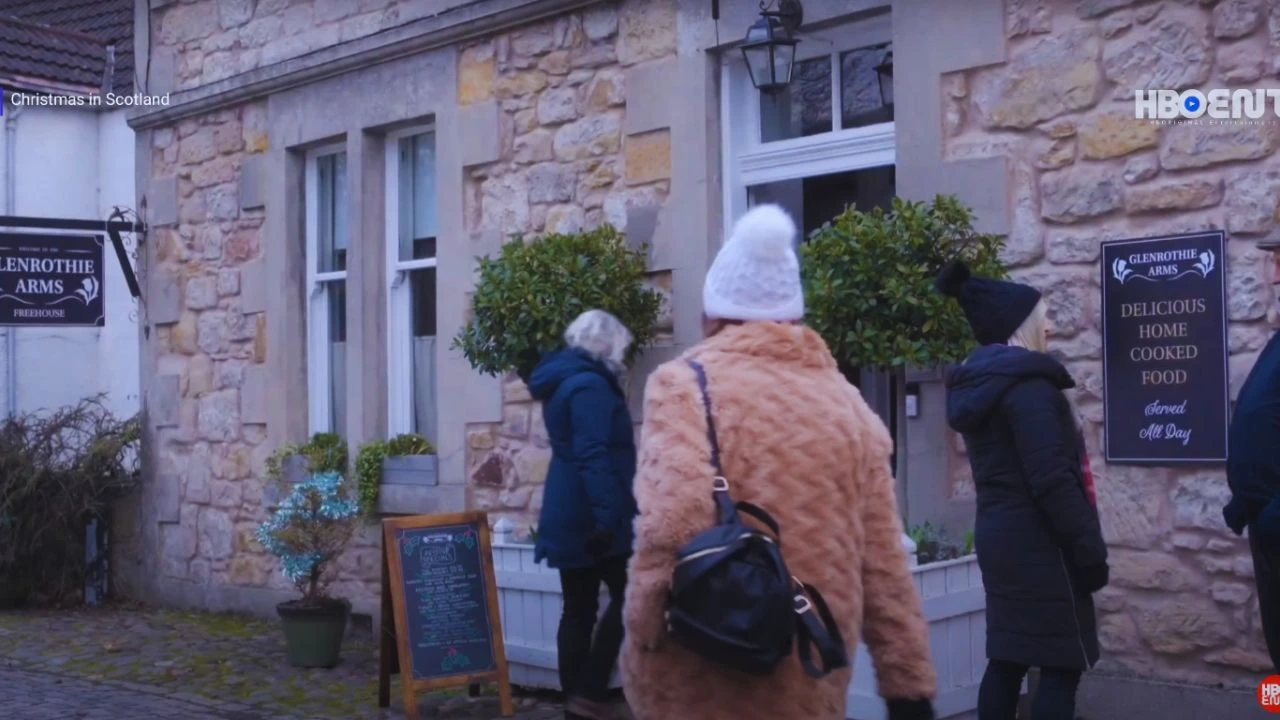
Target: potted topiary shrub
307 531
406 459
526 297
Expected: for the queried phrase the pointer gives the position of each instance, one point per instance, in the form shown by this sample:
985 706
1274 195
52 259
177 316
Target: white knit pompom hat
756 275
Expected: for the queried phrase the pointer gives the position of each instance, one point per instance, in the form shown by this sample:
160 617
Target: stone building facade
556 115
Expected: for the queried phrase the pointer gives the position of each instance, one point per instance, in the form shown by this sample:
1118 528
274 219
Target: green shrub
369 463
526 297
869 277
58 470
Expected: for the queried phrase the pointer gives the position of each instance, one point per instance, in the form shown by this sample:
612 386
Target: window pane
422 284
331 212
865 97
804 108
417 196
336 296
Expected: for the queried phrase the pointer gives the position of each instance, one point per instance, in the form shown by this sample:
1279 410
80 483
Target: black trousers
1002 683
1266 574
586 666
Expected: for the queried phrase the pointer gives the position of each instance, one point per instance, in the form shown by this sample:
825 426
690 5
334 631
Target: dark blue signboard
50 279
1164 347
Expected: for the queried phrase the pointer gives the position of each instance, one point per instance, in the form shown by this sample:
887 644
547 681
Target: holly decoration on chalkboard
308 530
454 660
467 539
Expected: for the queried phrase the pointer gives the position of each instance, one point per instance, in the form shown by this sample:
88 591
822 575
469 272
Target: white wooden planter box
955 606
530 603
954 603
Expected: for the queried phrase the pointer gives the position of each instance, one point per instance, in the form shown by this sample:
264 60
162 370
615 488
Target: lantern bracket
789 13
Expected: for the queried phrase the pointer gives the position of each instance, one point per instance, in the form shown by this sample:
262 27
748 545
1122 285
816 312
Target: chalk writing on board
447 609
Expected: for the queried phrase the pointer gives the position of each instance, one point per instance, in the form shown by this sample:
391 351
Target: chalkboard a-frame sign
441 625
1164 349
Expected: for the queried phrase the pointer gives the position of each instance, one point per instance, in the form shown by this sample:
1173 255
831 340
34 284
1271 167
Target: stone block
648 80
164 303
648 157
477 70
253 287
253 182
162 201
164 401
1113 134
168 498
647 31
1057 75
255 396
164 71
650 226
482 137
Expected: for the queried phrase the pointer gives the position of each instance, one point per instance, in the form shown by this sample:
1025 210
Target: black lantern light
770 46
884 74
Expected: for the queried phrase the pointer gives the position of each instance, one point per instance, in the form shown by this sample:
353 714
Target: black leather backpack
732 599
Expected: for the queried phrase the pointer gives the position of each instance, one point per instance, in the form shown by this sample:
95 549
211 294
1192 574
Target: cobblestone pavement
122 663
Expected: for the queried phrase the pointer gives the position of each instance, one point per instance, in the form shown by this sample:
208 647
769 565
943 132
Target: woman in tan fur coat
798 440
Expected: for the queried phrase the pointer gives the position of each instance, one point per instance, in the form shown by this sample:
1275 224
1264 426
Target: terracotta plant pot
313 633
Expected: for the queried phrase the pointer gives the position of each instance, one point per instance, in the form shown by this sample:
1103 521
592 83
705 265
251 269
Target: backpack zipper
712 550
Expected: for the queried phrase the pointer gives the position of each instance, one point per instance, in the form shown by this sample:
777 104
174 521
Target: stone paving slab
166 663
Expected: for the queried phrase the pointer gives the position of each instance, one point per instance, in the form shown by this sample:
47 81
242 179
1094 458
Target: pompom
952 278
765 231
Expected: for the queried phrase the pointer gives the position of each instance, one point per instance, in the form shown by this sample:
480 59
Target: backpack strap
818 631
725 510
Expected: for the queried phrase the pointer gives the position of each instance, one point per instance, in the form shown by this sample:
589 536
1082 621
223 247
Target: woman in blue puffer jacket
585 530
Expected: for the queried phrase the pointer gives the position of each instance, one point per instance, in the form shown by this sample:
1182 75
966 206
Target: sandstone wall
1181 605
568 162
210 40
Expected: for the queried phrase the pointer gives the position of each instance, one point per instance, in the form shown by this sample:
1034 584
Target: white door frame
746 161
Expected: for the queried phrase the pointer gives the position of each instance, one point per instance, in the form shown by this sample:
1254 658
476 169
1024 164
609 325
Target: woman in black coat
1037 534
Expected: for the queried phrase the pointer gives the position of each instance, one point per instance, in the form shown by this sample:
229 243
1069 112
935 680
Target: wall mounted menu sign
439 584
1164 348
48 279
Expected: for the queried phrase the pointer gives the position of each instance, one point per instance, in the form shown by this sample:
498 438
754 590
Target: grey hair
601 335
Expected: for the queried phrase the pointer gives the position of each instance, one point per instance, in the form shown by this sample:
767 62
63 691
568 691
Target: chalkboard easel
441 626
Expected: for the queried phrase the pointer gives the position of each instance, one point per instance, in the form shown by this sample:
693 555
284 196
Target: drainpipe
10 207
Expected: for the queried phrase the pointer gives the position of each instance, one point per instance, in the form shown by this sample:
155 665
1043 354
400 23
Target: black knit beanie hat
995 308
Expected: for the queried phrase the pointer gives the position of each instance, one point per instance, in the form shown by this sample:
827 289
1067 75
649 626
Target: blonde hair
1031 333
600 335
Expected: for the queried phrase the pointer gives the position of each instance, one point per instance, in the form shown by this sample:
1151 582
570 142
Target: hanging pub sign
1164 349
50 279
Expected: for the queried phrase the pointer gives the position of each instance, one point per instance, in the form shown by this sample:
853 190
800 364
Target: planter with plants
526 297
294 462
406 459
307 531
869 291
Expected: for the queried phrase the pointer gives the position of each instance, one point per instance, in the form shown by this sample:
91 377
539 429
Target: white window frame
746 161
320 406
400 391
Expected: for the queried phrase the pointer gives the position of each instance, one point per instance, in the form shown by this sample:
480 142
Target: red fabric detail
1086 474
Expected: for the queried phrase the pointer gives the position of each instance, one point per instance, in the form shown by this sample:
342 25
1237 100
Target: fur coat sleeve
893 616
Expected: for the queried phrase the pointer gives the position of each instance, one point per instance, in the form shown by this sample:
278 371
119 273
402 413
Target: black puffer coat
1037 535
